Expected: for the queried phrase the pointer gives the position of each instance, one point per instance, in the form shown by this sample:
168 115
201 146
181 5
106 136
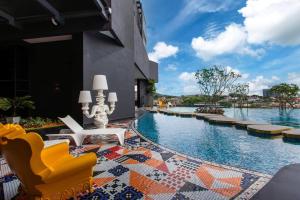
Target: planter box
13 120
45 131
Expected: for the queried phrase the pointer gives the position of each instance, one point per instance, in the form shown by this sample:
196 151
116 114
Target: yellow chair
7 128
10 131
161 104
47 173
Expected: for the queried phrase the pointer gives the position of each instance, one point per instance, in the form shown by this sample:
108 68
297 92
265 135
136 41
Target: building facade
52 49
267 93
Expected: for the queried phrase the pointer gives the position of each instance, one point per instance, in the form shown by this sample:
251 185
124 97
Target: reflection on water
289 117
220 144
272 116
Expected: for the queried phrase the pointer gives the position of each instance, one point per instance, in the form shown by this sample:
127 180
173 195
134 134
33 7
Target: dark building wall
104 56
153 71
122 21
140 54
55 70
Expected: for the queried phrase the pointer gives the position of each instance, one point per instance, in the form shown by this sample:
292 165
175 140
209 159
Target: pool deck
142 169
222 120
268 129
244 124
294 134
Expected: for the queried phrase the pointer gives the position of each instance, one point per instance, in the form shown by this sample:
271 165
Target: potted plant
151 90
15 104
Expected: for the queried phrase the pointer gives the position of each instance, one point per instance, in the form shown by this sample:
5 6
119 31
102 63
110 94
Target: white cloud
243 75
203 6
232 40
192 8
294 78
187 76
211 30
162 50
260 82
265 21
190 89
272 21
171 67
189 83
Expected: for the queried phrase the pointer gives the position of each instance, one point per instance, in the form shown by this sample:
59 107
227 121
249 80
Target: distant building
267 93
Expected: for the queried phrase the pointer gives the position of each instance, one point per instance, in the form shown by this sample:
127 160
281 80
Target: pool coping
246 194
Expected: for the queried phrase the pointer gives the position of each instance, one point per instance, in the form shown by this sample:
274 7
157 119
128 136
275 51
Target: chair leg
121 138
79 139
91 188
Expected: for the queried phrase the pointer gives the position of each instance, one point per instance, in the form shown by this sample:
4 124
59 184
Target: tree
285 93
192 100
215 81
151 89
240 93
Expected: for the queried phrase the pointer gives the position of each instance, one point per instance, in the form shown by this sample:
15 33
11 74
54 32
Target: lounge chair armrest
72 167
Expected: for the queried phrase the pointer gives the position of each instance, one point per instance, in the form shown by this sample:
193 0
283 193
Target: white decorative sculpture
100 110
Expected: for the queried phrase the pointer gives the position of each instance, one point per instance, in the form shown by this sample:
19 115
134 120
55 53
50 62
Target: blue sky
260 39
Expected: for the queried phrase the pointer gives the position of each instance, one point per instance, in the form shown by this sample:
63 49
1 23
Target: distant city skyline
260 39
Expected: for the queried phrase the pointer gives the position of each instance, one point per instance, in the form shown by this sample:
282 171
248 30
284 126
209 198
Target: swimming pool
269 115
219 144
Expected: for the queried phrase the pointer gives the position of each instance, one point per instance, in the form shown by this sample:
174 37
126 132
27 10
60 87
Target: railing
141 22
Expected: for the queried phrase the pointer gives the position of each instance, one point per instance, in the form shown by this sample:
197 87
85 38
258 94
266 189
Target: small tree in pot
285 94
151 90
16 104
213 83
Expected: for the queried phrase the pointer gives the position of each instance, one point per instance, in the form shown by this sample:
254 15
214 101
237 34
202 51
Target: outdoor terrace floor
143 170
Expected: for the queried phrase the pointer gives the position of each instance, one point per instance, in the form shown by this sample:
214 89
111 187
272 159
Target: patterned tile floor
142 170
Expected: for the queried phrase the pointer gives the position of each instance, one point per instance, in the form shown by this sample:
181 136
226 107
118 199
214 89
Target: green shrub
36 122
192 100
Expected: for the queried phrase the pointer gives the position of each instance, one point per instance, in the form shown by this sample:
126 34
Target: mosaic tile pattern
142 170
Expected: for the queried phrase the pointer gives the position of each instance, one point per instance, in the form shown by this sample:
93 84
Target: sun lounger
79 133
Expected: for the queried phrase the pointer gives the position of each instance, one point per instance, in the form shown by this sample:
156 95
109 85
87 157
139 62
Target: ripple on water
219 144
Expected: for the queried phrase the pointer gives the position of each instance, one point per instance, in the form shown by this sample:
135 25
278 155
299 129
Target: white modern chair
79 133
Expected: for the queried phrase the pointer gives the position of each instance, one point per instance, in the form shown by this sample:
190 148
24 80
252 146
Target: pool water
219 144
272 116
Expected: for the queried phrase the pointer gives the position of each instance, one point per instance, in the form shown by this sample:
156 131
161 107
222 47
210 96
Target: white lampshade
112 97
85 97
100 82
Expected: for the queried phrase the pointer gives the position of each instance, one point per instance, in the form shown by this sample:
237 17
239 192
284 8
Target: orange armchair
48 173
10 128
10 131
